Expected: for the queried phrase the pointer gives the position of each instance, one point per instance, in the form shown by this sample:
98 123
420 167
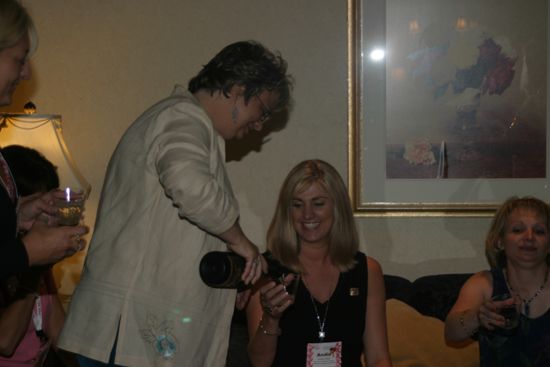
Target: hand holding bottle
238 243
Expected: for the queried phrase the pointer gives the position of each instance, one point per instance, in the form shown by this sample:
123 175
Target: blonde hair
495 255
282 240
15 23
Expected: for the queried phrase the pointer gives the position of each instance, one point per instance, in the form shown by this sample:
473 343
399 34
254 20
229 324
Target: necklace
527 302
319 322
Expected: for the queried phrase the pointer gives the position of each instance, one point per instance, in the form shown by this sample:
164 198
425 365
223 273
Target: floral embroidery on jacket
158 334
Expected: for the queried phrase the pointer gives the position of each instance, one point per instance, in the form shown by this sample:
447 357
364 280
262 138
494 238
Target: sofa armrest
418 340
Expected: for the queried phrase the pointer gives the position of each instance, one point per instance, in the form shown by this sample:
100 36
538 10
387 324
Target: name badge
324 354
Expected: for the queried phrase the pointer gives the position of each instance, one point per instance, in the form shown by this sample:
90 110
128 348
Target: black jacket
13 256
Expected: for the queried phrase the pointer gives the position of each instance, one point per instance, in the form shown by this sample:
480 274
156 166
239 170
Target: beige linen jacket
165 197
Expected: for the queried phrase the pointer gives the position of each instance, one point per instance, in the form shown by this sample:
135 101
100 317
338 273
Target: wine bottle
219 269
222 270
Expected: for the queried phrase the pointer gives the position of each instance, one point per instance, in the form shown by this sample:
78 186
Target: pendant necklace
527 302
319 322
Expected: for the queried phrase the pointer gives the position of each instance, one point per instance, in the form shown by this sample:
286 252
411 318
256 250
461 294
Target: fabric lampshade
43 133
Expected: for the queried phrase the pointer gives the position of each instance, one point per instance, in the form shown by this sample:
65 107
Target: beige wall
102 62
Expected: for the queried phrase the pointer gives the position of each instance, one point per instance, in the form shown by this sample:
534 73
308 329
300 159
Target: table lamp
43 133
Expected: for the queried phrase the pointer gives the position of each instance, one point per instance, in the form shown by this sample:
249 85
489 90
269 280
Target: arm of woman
375 337
263 326
53 329
14 322
183 156
55 321
463 319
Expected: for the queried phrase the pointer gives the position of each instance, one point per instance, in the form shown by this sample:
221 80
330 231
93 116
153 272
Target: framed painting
447 105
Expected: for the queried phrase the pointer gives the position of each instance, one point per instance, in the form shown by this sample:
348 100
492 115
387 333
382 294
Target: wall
101 63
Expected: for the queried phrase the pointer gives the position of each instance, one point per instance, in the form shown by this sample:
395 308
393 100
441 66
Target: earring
234 114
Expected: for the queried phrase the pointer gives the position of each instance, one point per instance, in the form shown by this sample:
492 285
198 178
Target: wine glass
509 312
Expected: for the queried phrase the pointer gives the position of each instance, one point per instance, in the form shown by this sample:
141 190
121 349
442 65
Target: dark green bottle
220 269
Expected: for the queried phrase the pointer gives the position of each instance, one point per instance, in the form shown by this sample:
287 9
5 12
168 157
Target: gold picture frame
375 195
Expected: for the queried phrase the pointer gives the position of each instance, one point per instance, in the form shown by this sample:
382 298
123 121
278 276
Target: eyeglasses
266 112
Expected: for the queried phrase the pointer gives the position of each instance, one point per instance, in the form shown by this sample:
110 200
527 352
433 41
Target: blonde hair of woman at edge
15 23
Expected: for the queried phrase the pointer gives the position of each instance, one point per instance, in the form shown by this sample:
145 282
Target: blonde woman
517 247
338 310
41 244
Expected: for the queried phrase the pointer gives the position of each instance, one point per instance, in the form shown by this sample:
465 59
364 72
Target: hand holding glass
509 312
290 281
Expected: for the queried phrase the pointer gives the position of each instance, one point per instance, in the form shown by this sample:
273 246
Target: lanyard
37 318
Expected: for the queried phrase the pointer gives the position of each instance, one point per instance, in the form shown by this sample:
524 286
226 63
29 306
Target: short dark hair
249 64
31 171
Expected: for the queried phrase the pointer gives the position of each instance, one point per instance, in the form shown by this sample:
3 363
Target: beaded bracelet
266 332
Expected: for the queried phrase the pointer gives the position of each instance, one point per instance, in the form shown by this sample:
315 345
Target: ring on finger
79 244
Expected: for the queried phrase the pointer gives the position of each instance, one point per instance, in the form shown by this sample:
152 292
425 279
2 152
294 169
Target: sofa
415 313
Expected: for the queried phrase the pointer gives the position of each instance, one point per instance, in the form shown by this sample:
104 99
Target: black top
345 320
13 256
529 344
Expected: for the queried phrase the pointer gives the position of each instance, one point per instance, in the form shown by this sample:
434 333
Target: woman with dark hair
337 313
32 171
42 244
31 314
518 249
165 203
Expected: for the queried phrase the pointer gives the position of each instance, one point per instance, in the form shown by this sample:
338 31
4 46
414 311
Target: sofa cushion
416 340
435 295
431 295
398 287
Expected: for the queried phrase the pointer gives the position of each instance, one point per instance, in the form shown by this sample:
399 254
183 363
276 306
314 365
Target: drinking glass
509 312
70 208
291 287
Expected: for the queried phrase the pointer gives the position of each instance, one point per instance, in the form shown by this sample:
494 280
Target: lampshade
43 133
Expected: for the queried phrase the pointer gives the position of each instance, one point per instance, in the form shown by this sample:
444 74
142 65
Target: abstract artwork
465 89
